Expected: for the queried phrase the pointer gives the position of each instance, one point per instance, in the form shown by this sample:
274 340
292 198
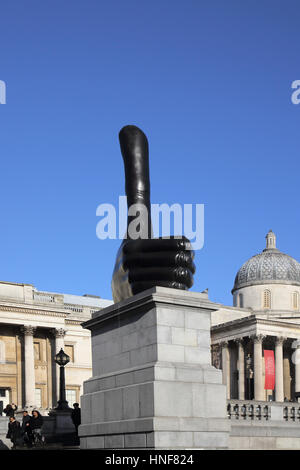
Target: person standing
14 432
36 423
26 429
14 407
76 416
9 411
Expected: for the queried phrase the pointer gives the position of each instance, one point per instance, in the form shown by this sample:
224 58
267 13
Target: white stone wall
13 291
226 314
281 296
81 369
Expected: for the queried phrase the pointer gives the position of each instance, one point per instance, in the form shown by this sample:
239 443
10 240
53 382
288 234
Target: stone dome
269 267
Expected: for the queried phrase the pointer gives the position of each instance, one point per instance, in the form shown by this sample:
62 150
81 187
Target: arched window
295 300
2 352
267 299
241 301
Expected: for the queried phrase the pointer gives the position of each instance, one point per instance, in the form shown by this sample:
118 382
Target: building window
71 396
69 349
241 301
267 299
295 300
2 352
38 397
37 351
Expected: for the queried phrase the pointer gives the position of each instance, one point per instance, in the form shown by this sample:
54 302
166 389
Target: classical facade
34 326
265 317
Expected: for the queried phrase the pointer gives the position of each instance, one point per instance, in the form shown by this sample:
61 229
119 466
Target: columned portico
28 331
279 388
34 325
246 377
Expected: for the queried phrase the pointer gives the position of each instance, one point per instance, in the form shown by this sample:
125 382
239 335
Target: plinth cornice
156 295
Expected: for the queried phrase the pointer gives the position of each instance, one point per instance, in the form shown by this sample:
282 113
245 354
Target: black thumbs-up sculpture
143 262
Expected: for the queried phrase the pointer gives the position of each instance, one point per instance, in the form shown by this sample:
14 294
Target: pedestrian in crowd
26 429
9 411
1 407
14 432
76 416
14 407
36 423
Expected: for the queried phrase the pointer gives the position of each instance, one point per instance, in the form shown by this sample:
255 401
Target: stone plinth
153 384
58 428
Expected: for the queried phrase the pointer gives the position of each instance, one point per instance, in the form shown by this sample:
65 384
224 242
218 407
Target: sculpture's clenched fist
146 262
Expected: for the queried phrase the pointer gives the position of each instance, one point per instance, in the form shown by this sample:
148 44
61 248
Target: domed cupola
270 267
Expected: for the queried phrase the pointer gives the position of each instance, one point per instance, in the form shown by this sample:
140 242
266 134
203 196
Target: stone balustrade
248 410
45 297
74 308
263 411
291 413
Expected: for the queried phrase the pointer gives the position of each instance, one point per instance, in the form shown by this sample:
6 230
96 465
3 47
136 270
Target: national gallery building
34 326
264 323
252 342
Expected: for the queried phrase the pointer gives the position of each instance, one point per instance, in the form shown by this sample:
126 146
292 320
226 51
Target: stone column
59 344
226 367
286 374
28 331
279 391
296 360
216 356
241 368
258 379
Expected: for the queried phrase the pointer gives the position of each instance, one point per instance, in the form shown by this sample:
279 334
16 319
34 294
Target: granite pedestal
153 385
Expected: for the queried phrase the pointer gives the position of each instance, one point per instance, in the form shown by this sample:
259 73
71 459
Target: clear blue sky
208 81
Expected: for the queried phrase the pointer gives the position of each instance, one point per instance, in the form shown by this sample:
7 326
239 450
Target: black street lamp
62 360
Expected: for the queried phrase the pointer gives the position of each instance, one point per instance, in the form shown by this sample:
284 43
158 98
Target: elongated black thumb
135 152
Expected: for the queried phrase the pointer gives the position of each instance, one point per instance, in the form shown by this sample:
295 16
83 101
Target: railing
44 297
94 310
247 410
291 413
40 297
74 308
263 411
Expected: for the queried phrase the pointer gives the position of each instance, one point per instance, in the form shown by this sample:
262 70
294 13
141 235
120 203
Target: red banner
269 370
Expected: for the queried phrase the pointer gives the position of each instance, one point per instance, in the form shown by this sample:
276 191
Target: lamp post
62 360
61 428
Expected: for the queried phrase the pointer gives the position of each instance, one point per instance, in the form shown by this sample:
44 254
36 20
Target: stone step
3 424
5 444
